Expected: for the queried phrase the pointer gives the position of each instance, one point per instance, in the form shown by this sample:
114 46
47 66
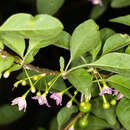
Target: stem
68 65
100 88
77 67
30 81
26 93
80 114
54 81
28 66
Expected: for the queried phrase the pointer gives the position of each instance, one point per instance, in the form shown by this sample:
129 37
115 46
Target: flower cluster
108 90
22 104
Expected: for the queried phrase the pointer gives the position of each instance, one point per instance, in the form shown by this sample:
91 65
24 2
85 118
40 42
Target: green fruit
106 105
83 123
113 102
85 107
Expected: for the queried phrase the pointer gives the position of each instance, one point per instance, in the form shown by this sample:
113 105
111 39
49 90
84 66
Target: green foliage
84 38
120 3
122 19
49 6
42 27
5 63
9 114
95 123
65 114
34 46
127 50
116 42
1 45
114 62
106 33
98 10
109 115
81 80
120 83
14 43
63 40
123 112
62 63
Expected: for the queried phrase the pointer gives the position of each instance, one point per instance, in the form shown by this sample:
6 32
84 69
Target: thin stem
54 82
100 88
77 67
30 81
26 93
68 65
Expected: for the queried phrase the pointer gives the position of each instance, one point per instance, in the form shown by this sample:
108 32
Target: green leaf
1 45
62 63
64 40
14 43
127 51
64 115
116 42
84 38
95 123
94 52
106 33
122 19
120 3
34 47
81 80
98 10
49 6
120 83
5 63
41 26
109 115
9 114
123 112
114 62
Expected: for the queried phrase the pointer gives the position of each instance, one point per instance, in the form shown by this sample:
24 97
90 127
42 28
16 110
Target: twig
28 66
80 114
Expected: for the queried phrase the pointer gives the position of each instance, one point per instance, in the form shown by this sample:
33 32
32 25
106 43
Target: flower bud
6 74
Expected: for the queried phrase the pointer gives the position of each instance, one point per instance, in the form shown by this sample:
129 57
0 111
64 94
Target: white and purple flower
58 97
22 104
105 89
96 2
42 100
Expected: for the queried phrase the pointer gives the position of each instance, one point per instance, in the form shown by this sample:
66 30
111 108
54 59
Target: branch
80 114
29 66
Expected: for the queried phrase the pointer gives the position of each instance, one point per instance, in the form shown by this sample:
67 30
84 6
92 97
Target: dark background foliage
71 14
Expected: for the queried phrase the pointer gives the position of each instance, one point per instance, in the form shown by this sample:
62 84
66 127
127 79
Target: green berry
83 123
113 102
106 105
85 107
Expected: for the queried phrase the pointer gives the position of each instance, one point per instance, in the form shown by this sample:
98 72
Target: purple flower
21 103
42 100
120 96
105 89
96 2
57 97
